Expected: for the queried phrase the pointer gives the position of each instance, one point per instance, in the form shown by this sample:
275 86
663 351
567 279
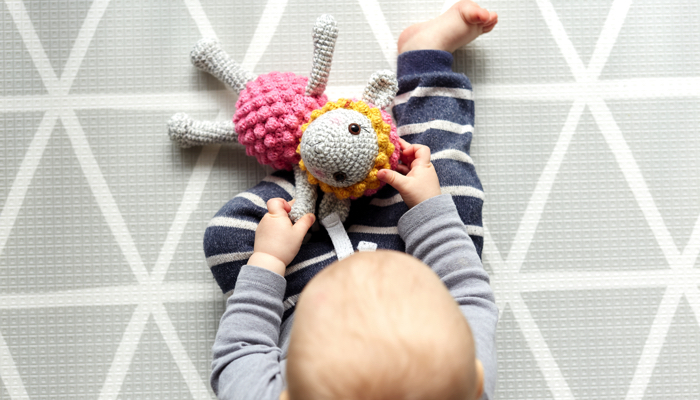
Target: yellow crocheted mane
386 148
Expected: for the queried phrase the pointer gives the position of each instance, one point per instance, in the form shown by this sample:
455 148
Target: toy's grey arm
381 88
331 204
188 132
304 197
209 56
325 35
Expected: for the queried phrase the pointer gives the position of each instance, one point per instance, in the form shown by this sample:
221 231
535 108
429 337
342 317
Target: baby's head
380 325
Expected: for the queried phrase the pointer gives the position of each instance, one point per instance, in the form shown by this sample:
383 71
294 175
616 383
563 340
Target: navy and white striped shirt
434 107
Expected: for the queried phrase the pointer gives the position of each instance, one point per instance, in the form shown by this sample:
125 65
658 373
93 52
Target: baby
384 324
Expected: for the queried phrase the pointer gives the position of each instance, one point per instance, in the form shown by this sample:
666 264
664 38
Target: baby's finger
422 156
403 169
408 155
303 224
288 205
393 178
278 206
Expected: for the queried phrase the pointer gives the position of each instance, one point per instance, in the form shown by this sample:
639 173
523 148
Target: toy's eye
354 129
340 176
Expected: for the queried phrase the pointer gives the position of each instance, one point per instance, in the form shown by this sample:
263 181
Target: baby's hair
379 325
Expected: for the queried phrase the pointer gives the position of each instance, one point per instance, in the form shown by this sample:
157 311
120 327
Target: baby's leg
230 237
435 105
459 25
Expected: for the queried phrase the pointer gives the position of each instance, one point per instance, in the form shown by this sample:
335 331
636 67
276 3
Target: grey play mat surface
587 143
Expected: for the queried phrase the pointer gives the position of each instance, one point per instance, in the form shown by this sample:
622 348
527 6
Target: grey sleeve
435 234
247 360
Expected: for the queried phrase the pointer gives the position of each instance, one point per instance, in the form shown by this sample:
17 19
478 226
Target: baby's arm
435 234
247 359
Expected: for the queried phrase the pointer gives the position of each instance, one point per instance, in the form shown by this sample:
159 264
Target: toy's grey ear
325 35
381 88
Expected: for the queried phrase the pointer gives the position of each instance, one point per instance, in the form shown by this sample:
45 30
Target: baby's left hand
277 240
420 181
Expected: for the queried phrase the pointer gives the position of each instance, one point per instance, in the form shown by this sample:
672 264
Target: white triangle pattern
509 282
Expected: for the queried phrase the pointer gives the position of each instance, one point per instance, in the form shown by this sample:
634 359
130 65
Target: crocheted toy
286 121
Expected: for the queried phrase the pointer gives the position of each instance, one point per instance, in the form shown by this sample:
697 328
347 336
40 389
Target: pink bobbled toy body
269 114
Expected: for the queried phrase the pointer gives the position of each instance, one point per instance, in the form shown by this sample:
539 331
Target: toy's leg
381 88
325 35
304 196
331 204
188 132
208 56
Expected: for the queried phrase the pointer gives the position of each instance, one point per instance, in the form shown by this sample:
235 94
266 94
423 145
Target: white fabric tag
366 246
339 237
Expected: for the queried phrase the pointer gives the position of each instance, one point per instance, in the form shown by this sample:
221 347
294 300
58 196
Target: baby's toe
491 23
476 15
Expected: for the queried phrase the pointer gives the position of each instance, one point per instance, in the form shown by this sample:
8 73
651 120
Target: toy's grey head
339 147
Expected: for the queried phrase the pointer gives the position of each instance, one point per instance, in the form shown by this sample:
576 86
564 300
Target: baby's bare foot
459 25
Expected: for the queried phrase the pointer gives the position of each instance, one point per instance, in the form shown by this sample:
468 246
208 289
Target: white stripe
567 50
377 230
288 187
613 89
388 201
608 37
264 31
435 124
34 46
463 191
171 292
452 154
190 201
18 191
10 373
255 199
229 222
103 195
125 352
218 259
457 93
380 28
453 190
291 301
82 44
474 230
188 371
200 19
296 267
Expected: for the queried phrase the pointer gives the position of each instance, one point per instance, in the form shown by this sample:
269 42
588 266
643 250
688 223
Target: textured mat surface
587 142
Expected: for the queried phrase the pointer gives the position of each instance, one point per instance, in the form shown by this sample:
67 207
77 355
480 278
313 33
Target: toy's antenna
188 132
209 56
325 35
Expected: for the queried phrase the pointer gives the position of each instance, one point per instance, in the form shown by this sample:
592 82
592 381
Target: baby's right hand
420 181
277 240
